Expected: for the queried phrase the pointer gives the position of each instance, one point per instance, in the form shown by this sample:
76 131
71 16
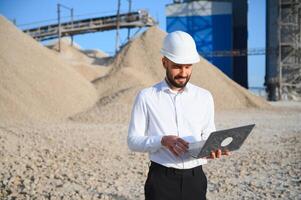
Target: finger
226 152
182 147
219 153
172 148
177 150
174 151
180 150
169 140
212 155
183 142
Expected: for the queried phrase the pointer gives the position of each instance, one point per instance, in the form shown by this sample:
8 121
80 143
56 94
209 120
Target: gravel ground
72 160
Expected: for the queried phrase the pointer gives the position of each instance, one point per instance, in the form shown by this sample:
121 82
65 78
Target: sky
33 13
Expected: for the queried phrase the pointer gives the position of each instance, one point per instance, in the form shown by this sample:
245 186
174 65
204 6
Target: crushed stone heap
34 83
138 65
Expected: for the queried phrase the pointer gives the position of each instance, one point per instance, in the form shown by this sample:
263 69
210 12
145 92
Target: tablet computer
228 139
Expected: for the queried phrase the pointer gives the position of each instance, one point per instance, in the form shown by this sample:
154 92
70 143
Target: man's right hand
176 145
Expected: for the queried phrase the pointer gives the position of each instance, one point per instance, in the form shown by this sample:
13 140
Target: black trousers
165 183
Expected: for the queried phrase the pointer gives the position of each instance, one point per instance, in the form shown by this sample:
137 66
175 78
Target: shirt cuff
155 142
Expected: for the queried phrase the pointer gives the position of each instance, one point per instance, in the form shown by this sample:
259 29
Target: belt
175 171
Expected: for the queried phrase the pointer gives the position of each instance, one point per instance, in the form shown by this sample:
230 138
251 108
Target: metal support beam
130 9
117 28
279 54
59 32
72 14
59 25
289 23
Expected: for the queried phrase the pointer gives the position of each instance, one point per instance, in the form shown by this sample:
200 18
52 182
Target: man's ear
164 62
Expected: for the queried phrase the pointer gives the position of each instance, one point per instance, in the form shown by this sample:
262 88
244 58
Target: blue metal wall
210 24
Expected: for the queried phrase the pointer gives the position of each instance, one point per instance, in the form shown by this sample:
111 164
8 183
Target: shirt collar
165 87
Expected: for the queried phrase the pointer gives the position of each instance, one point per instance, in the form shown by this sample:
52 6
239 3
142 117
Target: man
166 118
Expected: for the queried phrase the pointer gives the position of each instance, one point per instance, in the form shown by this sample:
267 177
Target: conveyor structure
138 19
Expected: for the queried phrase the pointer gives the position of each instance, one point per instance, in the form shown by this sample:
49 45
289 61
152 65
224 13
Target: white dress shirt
160 111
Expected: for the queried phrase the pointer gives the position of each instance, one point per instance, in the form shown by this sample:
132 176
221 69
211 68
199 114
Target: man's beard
173 83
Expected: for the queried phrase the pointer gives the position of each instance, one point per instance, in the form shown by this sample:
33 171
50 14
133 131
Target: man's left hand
218 154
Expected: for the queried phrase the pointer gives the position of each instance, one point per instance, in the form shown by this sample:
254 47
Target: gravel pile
35 84
91 64
72 160
139 65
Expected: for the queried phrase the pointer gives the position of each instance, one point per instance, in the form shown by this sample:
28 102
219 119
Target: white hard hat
180 48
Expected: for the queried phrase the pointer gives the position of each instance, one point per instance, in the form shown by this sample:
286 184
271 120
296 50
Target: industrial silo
218 27
272 58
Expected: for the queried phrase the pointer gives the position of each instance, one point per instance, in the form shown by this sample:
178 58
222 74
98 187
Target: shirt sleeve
138 140
210 125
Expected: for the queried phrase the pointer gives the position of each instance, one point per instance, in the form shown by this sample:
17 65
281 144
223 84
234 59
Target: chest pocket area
195 121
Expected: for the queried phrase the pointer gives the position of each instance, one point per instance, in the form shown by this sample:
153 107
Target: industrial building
220 30
283 41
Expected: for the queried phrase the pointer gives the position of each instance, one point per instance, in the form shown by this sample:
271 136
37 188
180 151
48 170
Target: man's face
178 75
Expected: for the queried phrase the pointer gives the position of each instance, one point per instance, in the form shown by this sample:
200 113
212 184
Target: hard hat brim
195 58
